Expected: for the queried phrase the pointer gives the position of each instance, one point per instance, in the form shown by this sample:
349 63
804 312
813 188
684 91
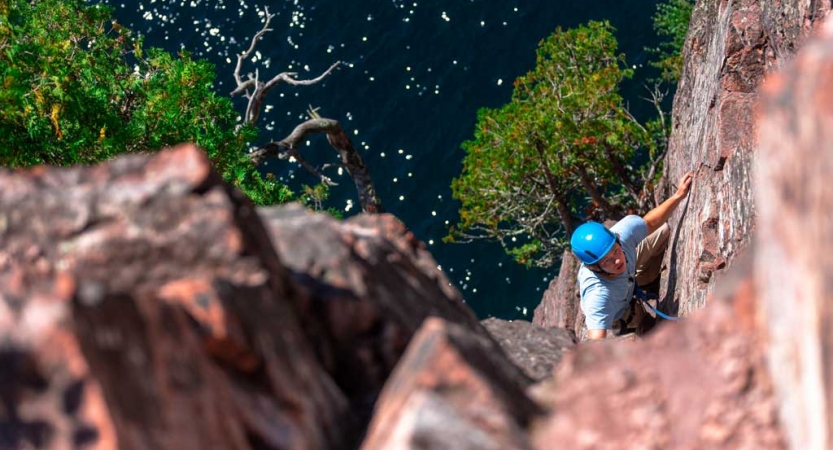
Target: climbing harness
643 296
639 295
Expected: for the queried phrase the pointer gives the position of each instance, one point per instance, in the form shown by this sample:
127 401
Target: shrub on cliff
562 150
671 22
79 88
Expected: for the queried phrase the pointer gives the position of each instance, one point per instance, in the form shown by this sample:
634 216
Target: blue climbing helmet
591 241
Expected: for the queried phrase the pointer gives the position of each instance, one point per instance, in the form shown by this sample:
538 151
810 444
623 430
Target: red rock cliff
730 49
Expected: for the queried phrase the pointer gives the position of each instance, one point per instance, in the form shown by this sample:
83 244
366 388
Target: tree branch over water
350 158
256 91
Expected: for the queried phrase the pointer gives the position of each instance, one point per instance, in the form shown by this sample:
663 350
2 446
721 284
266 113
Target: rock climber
615 260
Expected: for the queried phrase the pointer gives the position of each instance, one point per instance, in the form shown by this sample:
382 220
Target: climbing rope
643 297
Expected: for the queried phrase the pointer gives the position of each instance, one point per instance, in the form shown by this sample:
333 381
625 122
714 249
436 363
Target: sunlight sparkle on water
207 30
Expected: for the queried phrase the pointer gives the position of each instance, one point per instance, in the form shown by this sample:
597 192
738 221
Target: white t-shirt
604 300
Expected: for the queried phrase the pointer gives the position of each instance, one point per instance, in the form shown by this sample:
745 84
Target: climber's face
614 262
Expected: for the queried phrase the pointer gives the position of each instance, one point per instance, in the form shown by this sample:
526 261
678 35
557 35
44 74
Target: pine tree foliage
560 152
671 22
78 88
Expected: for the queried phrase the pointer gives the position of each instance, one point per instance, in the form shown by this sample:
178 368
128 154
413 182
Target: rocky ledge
146 304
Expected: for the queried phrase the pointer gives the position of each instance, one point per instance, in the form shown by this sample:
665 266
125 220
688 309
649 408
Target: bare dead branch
255 90
261 90
242 87
289 77
270 150
330 165
248 52
350 158
300 159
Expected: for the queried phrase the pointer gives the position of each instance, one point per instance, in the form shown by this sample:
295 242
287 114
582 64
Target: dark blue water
417 73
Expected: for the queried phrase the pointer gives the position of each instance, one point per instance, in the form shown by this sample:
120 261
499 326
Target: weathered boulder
535 349
177 297
143 306
794 268
730 47
451 390
365 286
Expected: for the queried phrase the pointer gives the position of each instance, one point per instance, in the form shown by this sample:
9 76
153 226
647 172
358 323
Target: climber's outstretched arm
659 215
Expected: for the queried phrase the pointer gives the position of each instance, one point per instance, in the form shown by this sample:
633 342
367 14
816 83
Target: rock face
730 47
450 391
365 286
560 305
142 307
50 397
710 381
146 304
535 349
794 270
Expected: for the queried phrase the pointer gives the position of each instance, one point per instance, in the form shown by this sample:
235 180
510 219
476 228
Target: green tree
671 22
78 88
559 152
